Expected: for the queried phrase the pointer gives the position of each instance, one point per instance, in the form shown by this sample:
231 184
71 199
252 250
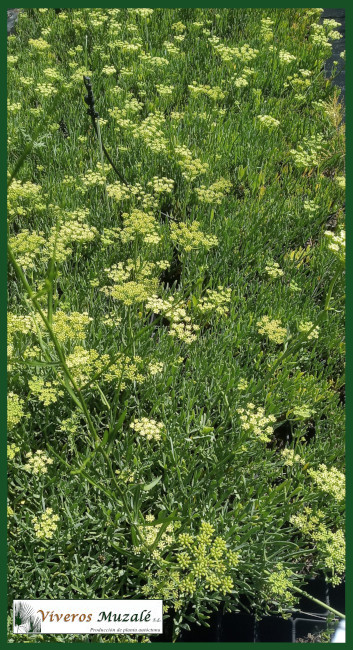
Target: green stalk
100 143
21 276
70 378
318 602
51 274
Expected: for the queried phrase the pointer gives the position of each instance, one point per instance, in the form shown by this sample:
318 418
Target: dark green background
349 325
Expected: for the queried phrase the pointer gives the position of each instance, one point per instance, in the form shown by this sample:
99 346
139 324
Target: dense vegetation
175 322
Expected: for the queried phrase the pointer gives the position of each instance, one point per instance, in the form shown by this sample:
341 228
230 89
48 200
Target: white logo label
88 616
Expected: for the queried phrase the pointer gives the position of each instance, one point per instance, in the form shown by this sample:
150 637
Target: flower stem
318 602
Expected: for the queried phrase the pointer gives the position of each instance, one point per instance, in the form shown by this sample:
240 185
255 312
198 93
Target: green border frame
3 385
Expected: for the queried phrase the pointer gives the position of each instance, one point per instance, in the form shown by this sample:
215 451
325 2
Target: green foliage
176 343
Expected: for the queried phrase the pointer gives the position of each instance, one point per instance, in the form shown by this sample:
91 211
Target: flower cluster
190 237
108 70
268 120
266 29
151 133
216 301
133 281
306 326
215 193
161 185
273 270
140 224
148 536
15 410
330 545
299 82
84 363
309 153
242 384
39 44
27 247
341 182
93 177
70 425
13 107
245 53
125 369
191 167
329 480
337 243
164 90
72 326
37 463
71 231
310 206
214 92
155 367
148 428
46 391
12 450
120 192
178 27
286 57
303 412
240 81
279 584
255 421
181 326
154 62
273 329
46 90
34 248
206 560
144 13
211 563
290 457
125 475
18 323
45 525
321 35
20 193
171 48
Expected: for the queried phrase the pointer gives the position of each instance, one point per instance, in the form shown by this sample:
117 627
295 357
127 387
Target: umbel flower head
273 329
37 462
273 270
216 300
45 525
181 326
308 326
268 120
190 237
337 243
15 410
279 585
256 422
12 450
148 428
202 564
330 545
331 481
141 224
